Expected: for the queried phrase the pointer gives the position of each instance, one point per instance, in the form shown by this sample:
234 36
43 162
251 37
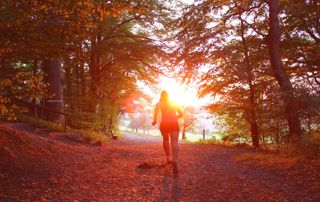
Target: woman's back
168 112
169 118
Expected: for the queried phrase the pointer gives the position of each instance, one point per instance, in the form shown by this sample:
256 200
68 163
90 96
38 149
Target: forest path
40 165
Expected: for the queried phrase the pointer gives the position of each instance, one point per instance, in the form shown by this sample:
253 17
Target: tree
141 116
189 120
43 31
279 71
117 53
235 72
225 44
101 48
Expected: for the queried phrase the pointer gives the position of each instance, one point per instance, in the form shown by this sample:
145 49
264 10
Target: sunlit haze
180 94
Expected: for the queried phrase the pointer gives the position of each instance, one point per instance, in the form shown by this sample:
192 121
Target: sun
179 94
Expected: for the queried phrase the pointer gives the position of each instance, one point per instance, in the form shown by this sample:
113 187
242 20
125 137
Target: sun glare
179 94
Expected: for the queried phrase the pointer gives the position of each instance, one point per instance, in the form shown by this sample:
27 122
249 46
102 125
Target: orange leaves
5 83
23 85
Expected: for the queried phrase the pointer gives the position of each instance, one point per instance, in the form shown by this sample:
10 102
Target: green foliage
208 141
235 128
214 141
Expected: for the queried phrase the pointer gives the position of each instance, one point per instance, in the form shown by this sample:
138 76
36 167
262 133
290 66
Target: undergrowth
284 154
86 133
41 123
280 160
221 143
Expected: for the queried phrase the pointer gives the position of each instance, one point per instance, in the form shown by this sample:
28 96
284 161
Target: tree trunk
280 74
83 80
34 100
253 119
110 124
252 100
184 133
54 77
78 87
277 134
67 69
94 68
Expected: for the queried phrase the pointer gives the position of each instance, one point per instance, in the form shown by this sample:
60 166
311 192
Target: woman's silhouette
169 127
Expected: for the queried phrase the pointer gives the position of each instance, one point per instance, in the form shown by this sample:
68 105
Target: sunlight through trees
256 62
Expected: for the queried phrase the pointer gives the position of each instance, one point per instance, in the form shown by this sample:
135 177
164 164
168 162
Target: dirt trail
40 165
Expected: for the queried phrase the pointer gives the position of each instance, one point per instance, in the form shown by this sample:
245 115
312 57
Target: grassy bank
86 133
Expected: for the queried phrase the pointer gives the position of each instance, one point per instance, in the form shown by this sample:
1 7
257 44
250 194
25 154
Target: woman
169 127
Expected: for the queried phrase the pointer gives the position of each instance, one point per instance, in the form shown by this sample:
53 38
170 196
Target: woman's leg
166 146
175 148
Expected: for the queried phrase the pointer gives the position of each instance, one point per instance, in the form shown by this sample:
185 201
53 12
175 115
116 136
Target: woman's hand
154 122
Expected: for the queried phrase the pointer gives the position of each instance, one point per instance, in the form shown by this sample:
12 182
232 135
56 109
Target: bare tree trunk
54 77
277 134
253 118
68 81
83 80
53 69
110 124
184 133
34 100
252 100
94 68
78 87
280 74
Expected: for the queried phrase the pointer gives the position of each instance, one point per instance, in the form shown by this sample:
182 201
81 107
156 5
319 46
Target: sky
187 1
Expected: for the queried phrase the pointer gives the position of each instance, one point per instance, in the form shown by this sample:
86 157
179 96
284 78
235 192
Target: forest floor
41 165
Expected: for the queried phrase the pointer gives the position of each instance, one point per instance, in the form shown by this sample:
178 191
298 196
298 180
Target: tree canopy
259 59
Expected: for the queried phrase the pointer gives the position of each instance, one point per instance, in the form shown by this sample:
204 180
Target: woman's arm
155 114
180 113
